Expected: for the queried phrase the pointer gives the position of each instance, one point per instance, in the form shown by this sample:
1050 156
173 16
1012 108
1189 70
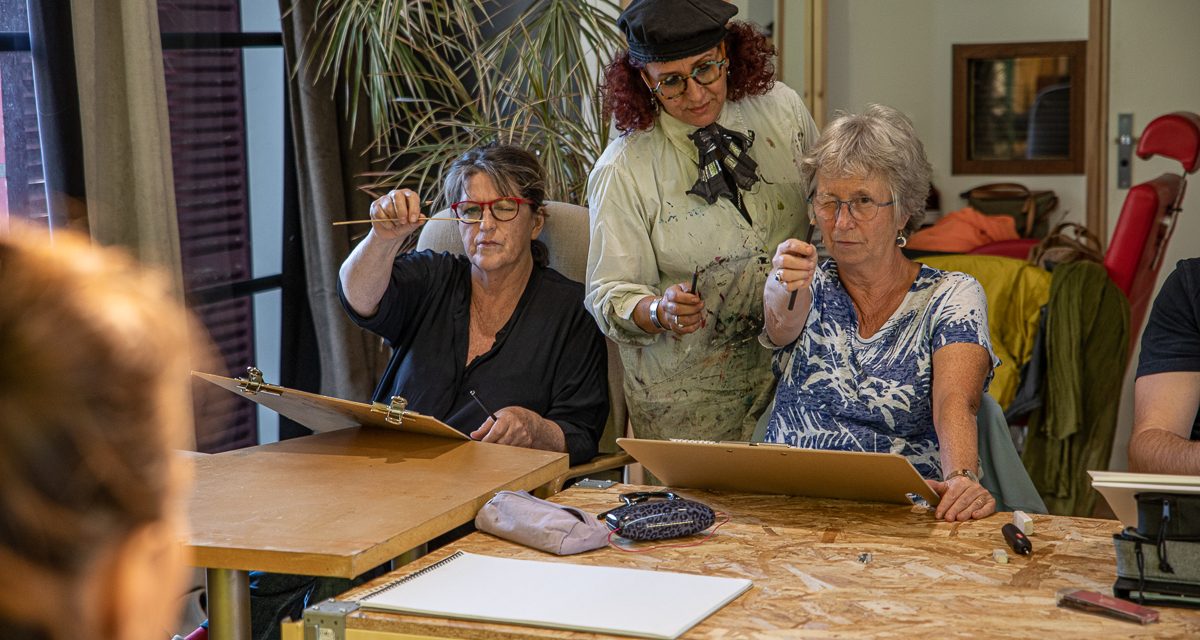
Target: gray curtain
328 157
125 132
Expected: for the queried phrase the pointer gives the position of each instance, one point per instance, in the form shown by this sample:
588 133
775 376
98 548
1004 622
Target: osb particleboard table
925 578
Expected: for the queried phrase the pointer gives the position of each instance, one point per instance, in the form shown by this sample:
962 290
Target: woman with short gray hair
857 348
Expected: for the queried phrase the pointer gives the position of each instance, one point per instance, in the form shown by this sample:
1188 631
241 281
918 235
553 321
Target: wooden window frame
1076 51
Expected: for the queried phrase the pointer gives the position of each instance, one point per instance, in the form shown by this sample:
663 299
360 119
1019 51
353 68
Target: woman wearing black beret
702 185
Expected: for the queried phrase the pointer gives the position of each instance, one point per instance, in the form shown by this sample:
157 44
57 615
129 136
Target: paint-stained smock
647 234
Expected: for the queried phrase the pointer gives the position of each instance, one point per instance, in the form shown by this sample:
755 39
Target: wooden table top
925 578
342 502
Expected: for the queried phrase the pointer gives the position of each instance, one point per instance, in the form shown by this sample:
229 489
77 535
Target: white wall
899 54
1154 66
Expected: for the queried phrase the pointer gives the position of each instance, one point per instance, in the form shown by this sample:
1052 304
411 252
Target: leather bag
1067 242
1029 209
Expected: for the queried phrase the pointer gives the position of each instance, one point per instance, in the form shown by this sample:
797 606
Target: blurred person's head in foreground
94 381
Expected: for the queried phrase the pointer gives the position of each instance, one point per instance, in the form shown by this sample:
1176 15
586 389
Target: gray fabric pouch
537 523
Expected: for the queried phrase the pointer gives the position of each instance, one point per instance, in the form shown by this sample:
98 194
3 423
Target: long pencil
807 239
423 219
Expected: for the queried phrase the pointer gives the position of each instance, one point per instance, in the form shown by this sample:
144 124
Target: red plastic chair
1148 217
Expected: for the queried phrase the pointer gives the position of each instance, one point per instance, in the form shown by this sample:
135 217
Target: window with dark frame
204 62
204 59
1018 108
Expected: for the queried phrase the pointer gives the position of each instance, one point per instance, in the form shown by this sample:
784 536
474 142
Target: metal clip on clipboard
393 413
254 383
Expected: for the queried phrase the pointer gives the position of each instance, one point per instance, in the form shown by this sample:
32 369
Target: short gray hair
879 142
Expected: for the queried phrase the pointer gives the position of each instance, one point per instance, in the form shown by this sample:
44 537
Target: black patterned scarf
725 163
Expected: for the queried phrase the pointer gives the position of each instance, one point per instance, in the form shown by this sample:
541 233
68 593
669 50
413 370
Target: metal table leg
410 555
228 604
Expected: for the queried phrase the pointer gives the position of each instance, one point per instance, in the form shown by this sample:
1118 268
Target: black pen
480 403
807 239
695 274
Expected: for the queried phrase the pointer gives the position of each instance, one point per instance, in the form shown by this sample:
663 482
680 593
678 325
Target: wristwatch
966 473
654 315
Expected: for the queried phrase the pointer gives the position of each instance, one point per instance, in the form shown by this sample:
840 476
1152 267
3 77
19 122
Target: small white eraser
1000 556
1023 522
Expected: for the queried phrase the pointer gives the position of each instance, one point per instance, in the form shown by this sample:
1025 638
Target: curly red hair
751 72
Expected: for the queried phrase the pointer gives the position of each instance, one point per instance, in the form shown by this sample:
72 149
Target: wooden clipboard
779 469
323 413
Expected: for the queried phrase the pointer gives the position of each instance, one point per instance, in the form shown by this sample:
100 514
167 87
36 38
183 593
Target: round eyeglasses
674 85
503 209
861 208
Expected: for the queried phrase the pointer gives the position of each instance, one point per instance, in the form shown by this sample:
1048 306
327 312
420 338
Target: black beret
660 30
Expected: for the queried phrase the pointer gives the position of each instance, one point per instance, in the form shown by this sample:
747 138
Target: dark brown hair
513 170
751 72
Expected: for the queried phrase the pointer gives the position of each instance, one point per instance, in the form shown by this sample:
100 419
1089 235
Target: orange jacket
963 230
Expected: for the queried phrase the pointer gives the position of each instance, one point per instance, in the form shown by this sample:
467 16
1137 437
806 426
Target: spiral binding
412 576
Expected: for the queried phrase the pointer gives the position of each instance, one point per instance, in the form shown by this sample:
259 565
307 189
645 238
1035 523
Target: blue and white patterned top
838 390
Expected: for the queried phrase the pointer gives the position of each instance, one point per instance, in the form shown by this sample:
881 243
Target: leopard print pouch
657 515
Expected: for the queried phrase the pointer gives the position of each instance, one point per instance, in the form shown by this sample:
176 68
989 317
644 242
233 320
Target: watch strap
966 473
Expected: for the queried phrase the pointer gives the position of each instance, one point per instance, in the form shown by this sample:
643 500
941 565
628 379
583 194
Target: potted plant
441 76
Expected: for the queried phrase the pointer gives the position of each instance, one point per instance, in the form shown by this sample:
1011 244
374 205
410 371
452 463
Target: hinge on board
395 411
327 620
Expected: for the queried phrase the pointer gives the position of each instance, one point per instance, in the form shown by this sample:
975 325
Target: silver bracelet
654 315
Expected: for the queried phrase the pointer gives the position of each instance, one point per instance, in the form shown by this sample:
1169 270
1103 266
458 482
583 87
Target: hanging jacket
1087 344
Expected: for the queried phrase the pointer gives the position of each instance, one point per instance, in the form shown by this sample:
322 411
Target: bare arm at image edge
1165 410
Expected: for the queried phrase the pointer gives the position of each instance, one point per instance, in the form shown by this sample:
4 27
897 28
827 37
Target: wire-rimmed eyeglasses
861 208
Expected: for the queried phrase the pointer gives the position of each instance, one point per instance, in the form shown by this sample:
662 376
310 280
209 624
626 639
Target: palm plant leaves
440 76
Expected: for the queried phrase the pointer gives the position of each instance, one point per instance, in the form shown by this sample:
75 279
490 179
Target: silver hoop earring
901 241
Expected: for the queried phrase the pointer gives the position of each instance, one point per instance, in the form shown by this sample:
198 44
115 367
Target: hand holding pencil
396 215
792 268
681 310
807 240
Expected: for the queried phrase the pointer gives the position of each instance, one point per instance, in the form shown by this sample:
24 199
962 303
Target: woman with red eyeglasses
497 321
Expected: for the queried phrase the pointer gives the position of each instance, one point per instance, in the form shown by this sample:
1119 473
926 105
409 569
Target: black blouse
549 358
